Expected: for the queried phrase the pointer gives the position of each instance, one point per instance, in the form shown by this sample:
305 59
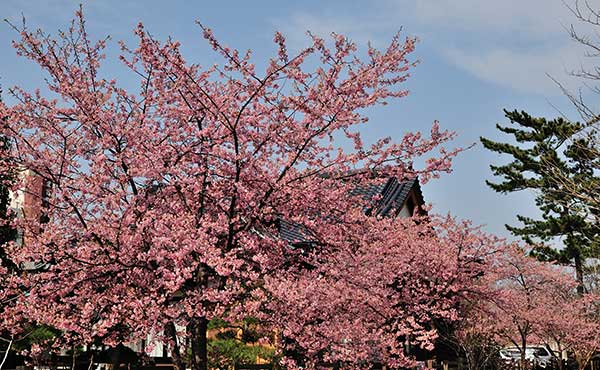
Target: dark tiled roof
293 232
392 195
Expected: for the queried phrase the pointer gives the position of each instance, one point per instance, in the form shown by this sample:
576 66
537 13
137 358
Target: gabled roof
391 197
393 194
293 232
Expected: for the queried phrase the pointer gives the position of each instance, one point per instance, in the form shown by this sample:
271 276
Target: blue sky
477 57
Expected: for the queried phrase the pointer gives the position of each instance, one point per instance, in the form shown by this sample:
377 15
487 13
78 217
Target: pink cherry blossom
165 200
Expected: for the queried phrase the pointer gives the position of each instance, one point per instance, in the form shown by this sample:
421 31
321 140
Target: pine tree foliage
548 157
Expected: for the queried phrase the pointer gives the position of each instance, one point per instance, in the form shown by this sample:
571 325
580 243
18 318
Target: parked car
538 355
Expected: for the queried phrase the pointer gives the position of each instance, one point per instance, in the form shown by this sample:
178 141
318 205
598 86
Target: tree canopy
546 156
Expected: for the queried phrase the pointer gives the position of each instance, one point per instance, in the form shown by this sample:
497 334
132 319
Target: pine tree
547 157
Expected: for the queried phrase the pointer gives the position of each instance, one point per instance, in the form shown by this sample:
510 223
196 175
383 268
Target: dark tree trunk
171 333
74 358
561 364
523 361
579 273
197 329
115 358
470 365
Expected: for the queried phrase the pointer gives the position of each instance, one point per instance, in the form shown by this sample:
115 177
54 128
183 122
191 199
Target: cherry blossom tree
472 337
585 336
523 300
165 201
556 325
572 324
526 302
399 282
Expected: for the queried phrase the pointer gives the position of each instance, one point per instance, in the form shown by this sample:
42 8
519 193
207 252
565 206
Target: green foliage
224 353
35 335
217 323
237 343
549 156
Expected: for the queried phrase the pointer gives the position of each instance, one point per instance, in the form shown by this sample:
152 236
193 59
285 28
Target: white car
537 355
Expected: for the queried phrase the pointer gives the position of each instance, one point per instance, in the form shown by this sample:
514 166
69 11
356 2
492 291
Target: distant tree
585 334
473 339
546 155
568 323
522 299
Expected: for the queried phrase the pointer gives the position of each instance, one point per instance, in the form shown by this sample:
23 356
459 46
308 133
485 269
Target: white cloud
511 43
363 30
526 71
530 17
